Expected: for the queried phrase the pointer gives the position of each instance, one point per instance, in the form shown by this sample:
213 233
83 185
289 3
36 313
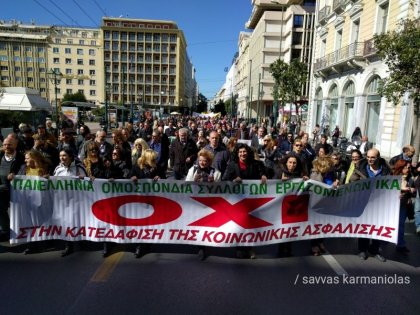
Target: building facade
24 55
131 62
281 30
347 71
77 54
145 63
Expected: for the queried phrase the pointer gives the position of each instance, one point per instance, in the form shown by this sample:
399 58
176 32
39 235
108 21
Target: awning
82 105
23 99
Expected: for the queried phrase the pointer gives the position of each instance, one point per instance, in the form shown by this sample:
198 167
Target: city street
172 280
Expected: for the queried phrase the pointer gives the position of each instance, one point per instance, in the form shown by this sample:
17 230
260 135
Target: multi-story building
347 71
142 62
77 53
145 63
241 74
24 55
281 30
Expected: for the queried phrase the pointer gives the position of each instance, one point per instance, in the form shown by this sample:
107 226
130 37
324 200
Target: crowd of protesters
206 150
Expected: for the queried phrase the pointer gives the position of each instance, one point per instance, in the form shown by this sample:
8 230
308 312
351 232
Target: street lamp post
107 90
56 76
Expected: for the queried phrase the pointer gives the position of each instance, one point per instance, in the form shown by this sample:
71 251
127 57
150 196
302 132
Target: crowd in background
205 150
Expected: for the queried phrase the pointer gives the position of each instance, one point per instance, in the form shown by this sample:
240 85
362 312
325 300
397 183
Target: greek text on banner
213 214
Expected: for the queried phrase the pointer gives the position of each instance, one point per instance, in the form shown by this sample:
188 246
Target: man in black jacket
183 154
373 166
10 162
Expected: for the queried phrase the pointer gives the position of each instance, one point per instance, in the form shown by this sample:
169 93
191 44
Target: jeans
417 212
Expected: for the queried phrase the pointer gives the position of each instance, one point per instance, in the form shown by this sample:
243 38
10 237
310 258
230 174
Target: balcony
369 49
323 15
344 59
339 6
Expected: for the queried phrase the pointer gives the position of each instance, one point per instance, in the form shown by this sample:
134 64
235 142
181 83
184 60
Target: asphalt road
172 280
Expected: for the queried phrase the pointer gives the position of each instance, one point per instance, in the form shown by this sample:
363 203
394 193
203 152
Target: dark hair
359 153
250 158
69 152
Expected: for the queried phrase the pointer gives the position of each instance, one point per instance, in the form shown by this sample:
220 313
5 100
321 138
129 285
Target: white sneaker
418 230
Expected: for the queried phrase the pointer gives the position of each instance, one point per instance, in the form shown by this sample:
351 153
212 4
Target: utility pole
259 97
123 96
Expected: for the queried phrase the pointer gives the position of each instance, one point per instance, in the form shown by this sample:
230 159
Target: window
91 62
93 42
92 82
69 91
298 21
68 71
80 82
69 81
81 42
41 60
67 50
92 52
42 70
355 31
16 48
56 60
338 39
84 34
92 92
297 38
30 79
28 49
15 58
92 72
80 51
81 91
17 69
57 41
28 59
80 62
4 68
29 69
68 61
80 71
382 18
56 50
70 41
5 78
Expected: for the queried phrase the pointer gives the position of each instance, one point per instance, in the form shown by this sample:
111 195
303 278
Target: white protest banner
215 214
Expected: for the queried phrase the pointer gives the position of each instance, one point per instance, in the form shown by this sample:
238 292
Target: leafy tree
220 108
289 80
202 104
76 97
399 49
